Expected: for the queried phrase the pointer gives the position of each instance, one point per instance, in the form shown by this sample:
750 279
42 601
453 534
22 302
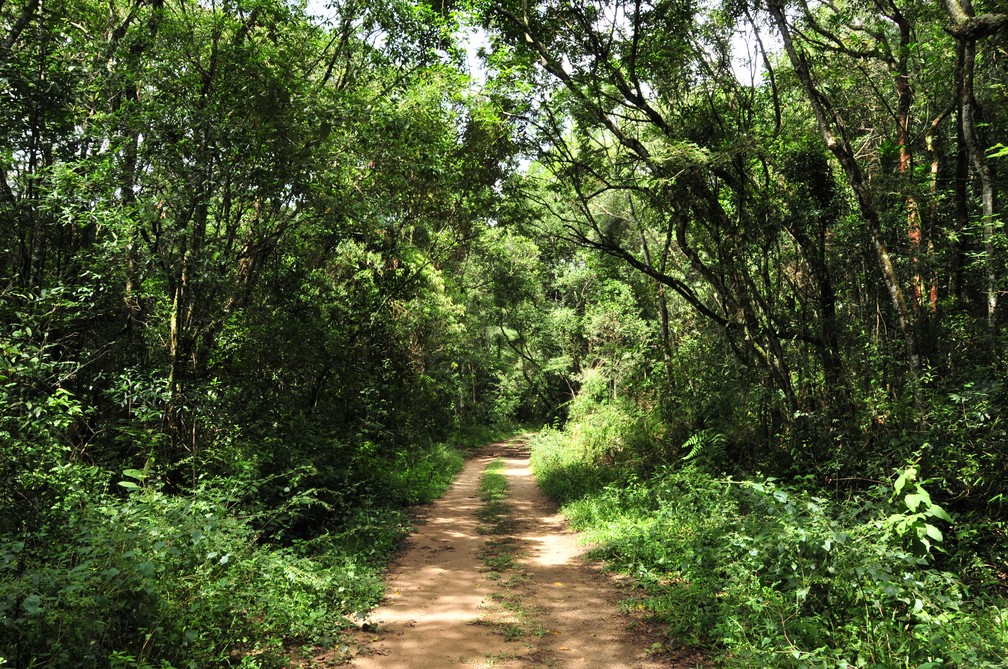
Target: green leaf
933 532
32 604
129 485
937 512
908 474
895 518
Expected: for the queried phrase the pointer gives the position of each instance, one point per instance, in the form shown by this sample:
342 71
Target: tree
968 28
668 158
802 216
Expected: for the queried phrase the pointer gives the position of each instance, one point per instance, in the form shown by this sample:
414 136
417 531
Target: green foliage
235 317
264 301
919 523
416 476
704 446
172 581
562 470
43 481
775 576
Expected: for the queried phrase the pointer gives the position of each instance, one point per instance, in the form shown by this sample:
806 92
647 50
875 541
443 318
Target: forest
268 269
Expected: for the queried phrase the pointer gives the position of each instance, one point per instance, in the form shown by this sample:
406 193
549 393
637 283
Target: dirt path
446 608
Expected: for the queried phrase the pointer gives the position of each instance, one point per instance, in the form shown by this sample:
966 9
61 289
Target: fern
702 442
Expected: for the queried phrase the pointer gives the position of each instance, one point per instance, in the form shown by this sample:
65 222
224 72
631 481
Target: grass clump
501 553
493 493
493 483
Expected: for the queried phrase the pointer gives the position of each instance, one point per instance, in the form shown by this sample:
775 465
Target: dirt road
446 606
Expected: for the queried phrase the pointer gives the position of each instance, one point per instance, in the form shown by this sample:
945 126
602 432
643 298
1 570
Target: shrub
563 470
774 576
160 580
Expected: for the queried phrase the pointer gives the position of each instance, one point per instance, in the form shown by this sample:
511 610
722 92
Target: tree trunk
834 135
904 100
968 29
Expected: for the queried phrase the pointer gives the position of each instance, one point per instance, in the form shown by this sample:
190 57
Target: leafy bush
819 584
573 462
421 476
41 480
148 577
774 576
160 580
564 471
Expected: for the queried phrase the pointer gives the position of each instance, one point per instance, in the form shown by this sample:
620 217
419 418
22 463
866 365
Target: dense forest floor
494 577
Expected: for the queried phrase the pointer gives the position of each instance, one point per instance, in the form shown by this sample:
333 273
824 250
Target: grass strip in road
500 555
493 493
501 552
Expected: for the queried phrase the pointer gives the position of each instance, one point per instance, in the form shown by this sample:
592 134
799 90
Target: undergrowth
144 578
771 575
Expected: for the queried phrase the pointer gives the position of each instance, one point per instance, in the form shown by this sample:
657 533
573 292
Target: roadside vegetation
235 344
153 579
776 573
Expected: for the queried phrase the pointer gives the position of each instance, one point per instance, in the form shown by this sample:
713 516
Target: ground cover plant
774 575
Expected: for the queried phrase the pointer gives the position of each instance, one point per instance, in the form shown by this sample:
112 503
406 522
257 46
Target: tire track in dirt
438 590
